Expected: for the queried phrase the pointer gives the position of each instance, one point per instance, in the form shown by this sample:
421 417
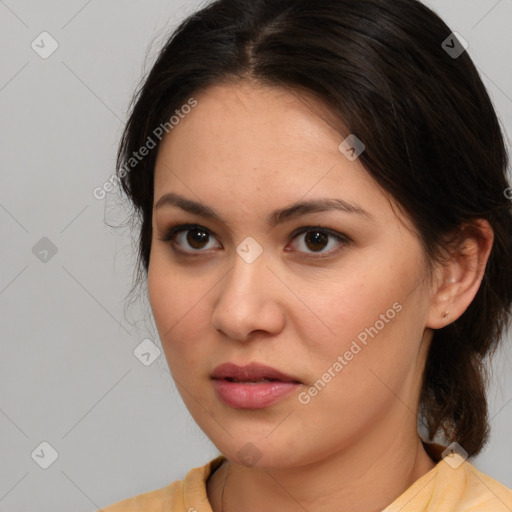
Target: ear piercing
445 314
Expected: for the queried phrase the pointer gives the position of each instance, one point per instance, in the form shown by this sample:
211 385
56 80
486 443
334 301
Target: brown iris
316 240
197 238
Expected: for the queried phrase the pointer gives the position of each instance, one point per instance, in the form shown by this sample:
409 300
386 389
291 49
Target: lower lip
257 395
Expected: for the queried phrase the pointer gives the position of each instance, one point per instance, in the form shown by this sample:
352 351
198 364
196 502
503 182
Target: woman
327 242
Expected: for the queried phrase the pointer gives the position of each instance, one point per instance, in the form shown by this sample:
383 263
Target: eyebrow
275 217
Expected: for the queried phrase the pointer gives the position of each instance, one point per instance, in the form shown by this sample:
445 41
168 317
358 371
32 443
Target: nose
249 301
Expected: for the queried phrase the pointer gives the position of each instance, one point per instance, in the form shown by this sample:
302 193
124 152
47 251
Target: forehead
241 125
263 147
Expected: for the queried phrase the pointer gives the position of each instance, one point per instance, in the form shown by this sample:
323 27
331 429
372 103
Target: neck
359 478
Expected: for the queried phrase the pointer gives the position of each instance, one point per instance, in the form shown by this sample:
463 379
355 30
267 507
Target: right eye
196 237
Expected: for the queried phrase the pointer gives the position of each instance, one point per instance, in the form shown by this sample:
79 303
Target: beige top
453 485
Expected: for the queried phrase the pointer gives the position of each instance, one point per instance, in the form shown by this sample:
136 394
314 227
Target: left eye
195 236
198 238
317 239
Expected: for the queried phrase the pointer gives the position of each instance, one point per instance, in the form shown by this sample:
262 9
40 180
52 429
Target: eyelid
342 239
175 229
323 229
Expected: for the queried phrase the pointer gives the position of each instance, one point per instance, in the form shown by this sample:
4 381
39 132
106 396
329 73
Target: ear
457 282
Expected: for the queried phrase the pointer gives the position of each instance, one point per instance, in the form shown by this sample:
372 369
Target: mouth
254 386
251 373
232 379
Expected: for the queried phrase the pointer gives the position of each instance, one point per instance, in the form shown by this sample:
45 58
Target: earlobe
459 279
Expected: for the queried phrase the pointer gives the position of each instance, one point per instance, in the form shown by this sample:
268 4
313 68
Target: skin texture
244 151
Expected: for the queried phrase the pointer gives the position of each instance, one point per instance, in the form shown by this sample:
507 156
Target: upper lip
250 373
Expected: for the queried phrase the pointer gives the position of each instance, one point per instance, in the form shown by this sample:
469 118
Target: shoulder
484 493
175 496
454 485
460 484
153 501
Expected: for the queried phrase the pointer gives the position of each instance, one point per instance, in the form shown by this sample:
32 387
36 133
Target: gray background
68 374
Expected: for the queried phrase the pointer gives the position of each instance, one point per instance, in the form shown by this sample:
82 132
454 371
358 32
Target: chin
260 452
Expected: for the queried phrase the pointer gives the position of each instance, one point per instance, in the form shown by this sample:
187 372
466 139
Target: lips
250 373
254 386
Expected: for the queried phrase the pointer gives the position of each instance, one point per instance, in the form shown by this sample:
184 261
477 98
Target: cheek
372 319
177 302
171 294
159 293
347 305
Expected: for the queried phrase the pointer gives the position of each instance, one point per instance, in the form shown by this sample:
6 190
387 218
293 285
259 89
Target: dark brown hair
433 142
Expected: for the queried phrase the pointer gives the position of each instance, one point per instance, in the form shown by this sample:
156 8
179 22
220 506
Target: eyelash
178 228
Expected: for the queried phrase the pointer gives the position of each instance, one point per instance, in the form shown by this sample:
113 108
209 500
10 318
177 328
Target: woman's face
343 318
